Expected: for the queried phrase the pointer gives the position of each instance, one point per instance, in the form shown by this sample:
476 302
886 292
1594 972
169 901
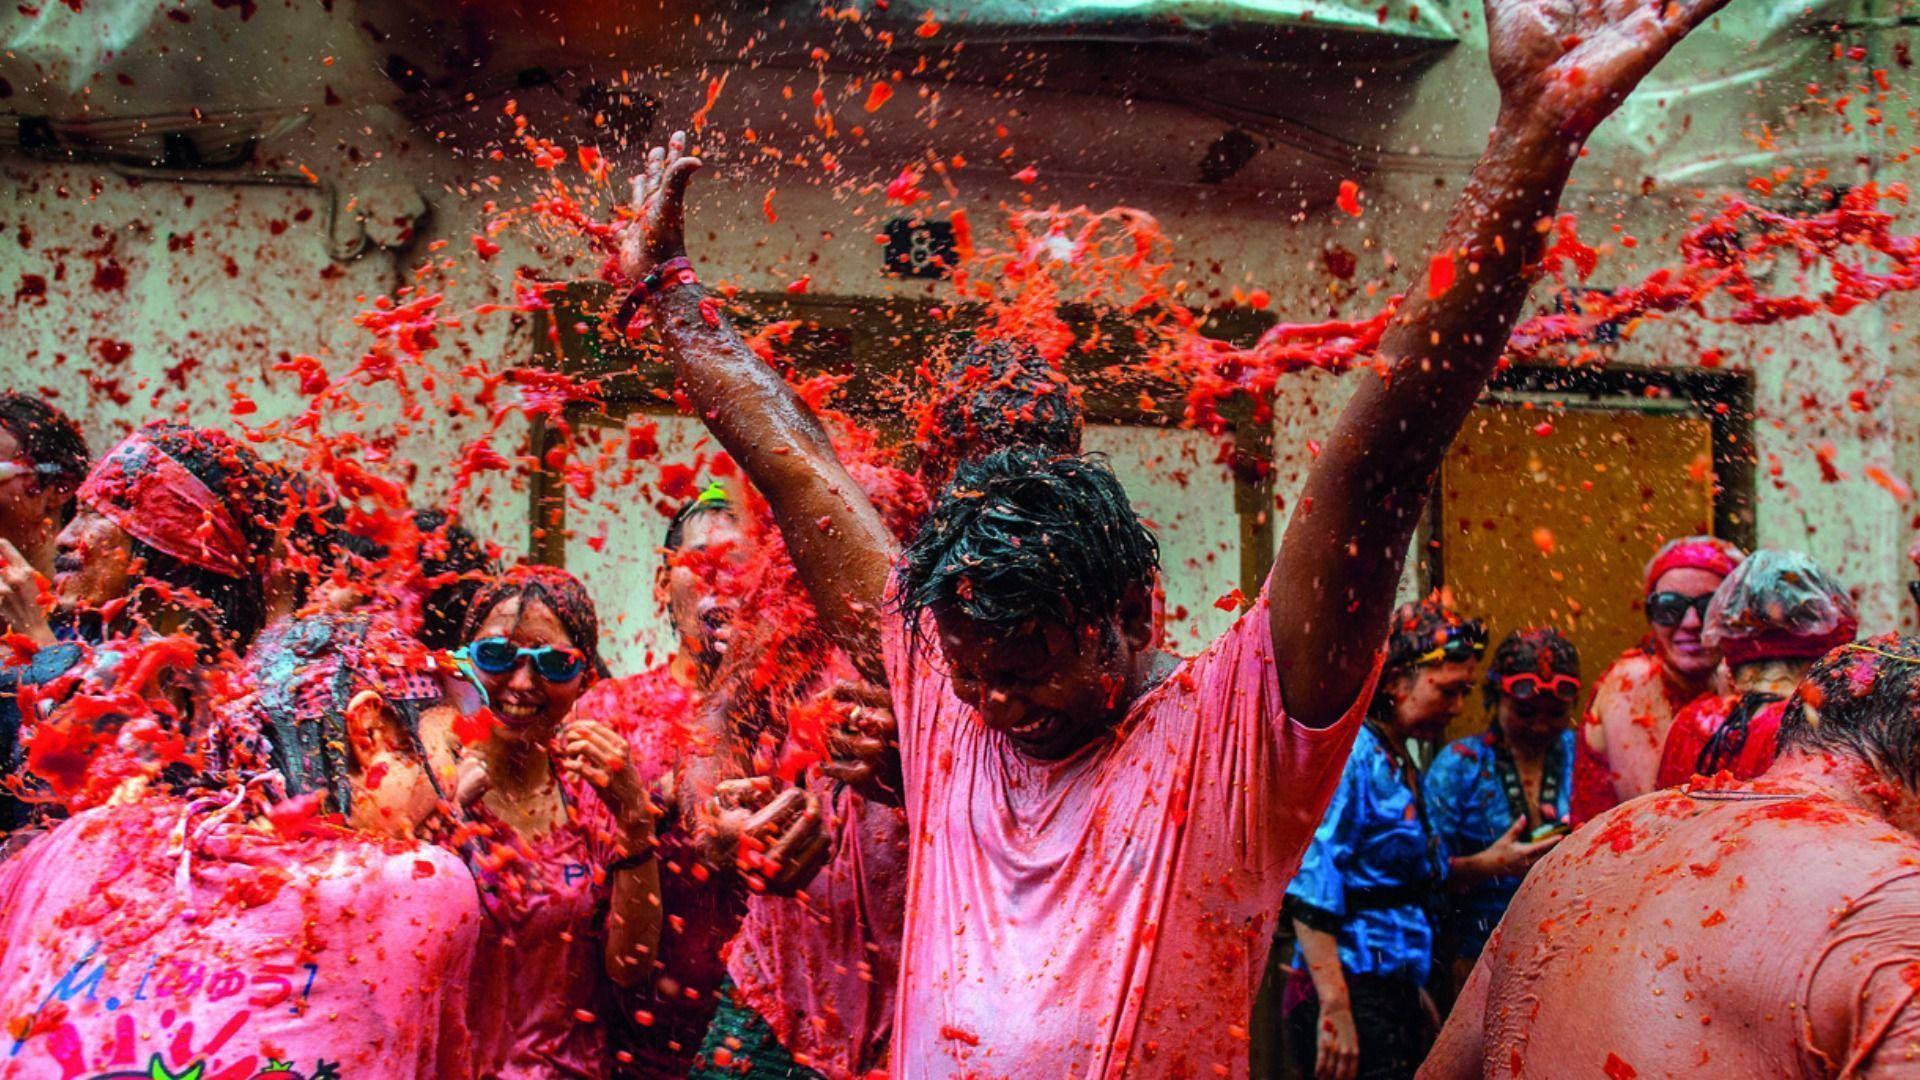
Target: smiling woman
573 885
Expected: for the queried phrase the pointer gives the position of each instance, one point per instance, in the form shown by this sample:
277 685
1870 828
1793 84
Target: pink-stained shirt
1110 914
125 955
541 989
659 718
820 967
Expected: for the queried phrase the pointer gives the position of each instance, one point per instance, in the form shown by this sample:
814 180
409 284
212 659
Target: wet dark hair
1861 700
236 477
693 508
49 439
1026 534
560 591
1418 628
309 670
1001 393
313 525
454 565
1540 650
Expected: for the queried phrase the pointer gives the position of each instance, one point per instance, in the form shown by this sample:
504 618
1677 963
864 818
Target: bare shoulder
1858 989
1629 671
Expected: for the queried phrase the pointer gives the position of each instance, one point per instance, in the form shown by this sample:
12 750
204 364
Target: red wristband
674 272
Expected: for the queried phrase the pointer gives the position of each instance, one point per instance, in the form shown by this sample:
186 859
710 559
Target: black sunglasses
497 656
1670 608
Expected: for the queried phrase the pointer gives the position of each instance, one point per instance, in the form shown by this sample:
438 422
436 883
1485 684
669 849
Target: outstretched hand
1567 64
864 750
656 225
779 841
1512 856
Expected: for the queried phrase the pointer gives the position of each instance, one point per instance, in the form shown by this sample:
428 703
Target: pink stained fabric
540 967
659 718
340 949
1108 915
1632 708
1707 553
157 500
820 968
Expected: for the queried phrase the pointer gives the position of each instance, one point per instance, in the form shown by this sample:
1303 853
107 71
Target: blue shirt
1468 809
1372 837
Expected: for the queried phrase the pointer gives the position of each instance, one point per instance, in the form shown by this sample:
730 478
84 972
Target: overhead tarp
1150 21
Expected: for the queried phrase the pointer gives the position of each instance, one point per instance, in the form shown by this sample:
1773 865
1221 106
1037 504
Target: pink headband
158 502
1694 553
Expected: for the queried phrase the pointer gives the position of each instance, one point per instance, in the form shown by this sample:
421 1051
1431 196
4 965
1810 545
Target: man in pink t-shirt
1100 836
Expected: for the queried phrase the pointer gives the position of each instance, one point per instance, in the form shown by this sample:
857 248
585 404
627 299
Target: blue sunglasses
497 656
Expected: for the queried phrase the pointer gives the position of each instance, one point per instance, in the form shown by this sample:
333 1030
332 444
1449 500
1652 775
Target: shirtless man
1729 928
1049 933
1637 697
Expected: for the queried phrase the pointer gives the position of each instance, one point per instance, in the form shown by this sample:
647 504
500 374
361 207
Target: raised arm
1562 66
838 543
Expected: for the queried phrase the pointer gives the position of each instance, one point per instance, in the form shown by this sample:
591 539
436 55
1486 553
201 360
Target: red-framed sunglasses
1526 686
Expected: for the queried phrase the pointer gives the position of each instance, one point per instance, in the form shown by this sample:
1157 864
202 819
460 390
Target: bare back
1758 930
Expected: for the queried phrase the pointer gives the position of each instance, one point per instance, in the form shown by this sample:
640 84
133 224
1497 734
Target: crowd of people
300 783
1413 868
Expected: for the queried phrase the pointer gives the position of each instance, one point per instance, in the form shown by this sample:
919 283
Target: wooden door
1548 515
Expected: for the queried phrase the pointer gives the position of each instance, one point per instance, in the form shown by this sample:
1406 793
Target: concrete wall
221 281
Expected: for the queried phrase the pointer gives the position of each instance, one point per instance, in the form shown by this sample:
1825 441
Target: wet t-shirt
1753 929
542 956
1470 807
1372 868
820 967
661 1023
1744 749
126 953
1109 914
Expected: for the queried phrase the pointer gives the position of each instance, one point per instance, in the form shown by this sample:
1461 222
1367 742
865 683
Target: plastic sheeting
1161 20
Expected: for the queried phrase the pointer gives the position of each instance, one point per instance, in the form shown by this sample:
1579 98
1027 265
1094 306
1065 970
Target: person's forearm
1322 952
633 913
1442 348
1341 557
836 540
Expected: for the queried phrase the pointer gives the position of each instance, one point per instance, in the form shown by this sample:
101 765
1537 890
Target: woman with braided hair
1772 618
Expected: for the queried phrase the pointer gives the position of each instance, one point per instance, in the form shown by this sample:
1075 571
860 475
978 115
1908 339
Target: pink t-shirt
820 967
658 716
124 956
1110 914
540 967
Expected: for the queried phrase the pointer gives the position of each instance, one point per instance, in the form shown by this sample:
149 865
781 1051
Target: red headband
158 502
1694 553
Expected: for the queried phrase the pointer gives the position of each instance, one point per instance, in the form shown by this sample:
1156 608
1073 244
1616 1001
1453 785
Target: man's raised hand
656 218
1567 64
